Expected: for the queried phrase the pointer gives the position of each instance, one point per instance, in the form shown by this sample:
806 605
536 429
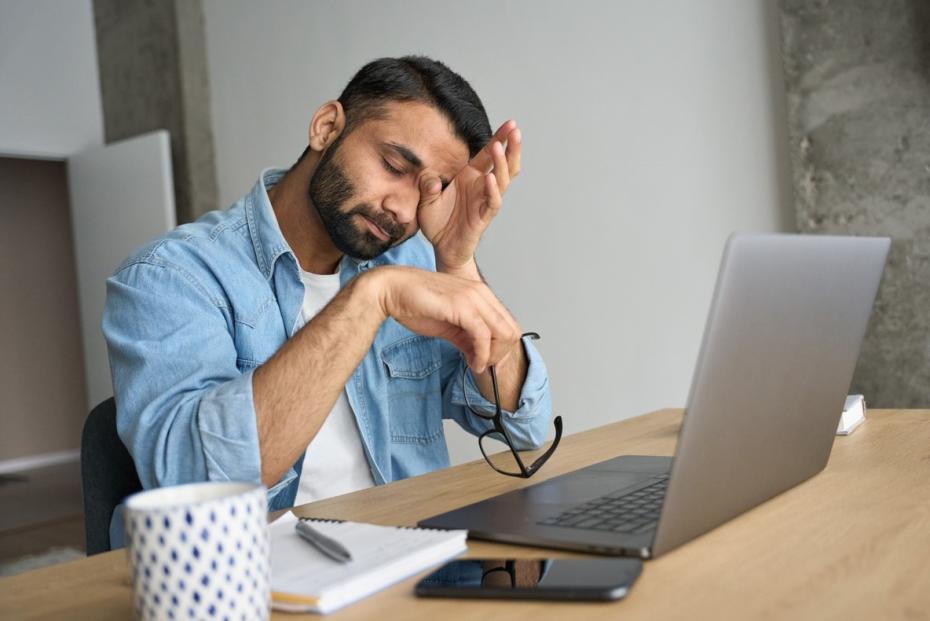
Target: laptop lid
783 334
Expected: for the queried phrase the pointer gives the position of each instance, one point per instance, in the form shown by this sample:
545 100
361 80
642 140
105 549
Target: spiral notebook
305 580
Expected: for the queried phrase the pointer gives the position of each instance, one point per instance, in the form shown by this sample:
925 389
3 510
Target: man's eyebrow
406 153
412 158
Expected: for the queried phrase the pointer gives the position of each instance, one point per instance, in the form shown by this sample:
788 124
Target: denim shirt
189 317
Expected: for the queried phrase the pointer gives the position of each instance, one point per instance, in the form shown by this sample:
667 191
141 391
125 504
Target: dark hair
416 78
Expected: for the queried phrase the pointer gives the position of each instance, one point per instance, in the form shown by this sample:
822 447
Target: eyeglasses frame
497 419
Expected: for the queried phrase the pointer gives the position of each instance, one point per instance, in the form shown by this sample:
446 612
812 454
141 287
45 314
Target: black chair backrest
107 472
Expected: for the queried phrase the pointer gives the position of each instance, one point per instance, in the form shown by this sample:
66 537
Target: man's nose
402 205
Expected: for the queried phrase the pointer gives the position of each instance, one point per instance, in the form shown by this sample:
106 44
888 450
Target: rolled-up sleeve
528 425
184 409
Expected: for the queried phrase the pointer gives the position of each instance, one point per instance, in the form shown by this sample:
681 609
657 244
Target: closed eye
391 169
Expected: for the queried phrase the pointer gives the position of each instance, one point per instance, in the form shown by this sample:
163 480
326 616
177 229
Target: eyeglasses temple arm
555 443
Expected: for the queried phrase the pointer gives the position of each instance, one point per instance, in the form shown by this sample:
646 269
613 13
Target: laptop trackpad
527 505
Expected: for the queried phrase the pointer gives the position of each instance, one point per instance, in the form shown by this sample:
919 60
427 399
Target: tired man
307 337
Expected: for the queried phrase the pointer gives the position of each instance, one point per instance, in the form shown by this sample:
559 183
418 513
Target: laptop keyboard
627 512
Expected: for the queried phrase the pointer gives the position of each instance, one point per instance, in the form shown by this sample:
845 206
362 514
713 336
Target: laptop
786 322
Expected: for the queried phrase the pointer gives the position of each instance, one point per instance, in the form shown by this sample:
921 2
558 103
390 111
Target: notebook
305 580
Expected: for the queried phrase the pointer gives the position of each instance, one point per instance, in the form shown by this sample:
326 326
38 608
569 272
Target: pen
330 547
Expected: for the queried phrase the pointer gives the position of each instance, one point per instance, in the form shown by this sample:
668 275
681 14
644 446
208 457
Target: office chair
108 474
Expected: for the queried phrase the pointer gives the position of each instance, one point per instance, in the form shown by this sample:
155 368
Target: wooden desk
851 543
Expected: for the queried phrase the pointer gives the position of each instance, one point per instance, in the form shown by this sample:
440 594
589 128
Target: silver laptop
780 345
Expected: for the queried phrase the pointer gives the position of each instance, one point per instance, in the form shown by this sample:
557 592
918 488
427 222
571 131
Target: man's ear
327 124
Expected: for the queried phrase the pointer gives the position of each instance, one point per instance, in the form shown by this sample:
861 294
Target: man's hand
295 389
454 219
464 312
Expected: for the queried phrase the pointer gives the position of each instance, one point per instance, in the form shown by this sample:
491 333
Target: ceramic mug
200 551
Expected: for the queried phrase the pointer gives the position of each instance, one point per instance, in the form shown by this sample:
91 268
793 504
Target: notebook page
300 569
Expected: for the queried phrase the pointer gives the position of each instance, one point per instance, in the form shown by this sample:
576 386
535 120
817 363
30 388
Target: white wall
122 196
49 87
651 131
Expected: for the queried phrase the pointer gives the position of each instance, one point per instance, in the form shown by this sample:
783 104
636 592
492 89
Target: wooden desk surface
851 543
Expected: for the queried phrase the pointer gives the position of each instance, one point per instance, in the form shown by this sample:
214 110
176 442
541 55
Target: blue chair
108 474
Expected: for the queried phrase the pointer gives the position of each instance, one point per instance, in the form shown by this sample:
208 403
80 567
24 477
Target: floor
42 520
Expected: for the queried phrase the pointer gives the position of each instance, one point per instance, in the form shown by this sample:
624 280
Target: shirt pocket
414 392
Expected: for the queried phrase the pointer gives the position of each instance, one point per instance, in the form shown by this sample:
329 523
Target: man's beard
329 190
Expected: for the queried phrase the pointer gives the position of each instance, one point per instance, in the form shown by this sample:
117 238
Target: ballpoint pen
330 547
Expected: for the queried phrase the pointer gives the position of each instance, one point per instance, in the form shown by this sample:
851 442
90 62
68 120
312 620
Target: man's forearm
296 388
511 372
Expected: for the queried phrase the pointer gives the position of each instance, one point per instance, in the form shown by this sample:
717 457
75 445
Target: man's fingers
464 312
430 189
504 313
483 160
514 149
502 346
504 131
493 332
480 341
505 128
462 341
493 202
501 167
504 329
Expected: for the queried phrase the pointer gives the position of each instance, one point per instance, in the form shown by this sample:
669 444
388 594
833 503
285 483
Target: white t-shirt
335 462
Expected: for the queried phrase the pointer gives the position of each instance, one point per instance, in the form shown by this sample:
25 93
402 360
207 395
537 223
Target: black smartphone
572 579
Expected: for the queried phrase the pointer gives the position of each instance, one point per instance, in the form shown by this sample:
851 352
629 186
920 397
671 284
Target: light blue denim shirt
190 316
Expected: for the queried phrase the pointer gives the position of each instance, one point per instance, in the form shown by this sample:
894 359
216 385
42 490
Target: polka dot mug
200 551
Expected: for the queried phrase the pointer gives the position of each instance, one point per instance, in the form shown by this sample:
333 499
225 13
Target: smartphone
571 579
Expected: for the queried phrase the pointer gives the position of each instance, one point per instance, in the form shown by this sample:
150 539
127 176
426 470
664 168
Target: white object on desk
853 415
303 579
180 536
122 195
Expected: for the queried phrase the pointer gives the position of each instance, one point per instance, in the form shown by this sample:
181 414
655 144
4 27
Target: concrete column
153 75
858 82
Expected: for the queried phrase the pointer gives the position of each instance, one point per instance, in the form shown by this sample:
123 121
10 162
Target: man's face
366 186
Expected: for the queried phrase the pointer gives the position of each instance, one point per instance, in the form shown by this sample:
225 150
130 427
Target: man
306 337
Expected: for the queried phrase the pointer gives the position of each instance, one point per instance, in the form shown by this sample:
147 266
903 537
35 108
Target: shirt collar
267 239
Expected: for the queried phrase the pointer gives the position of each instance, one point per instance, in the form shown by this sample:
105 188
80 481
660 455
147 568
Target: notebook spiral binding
337 521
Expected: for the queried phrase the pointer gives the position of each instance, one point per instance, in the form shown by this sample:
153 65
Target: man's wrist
468 270
372 286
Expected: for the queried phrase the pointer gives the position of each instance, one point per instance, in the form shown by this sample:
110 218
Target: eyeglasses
496 444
